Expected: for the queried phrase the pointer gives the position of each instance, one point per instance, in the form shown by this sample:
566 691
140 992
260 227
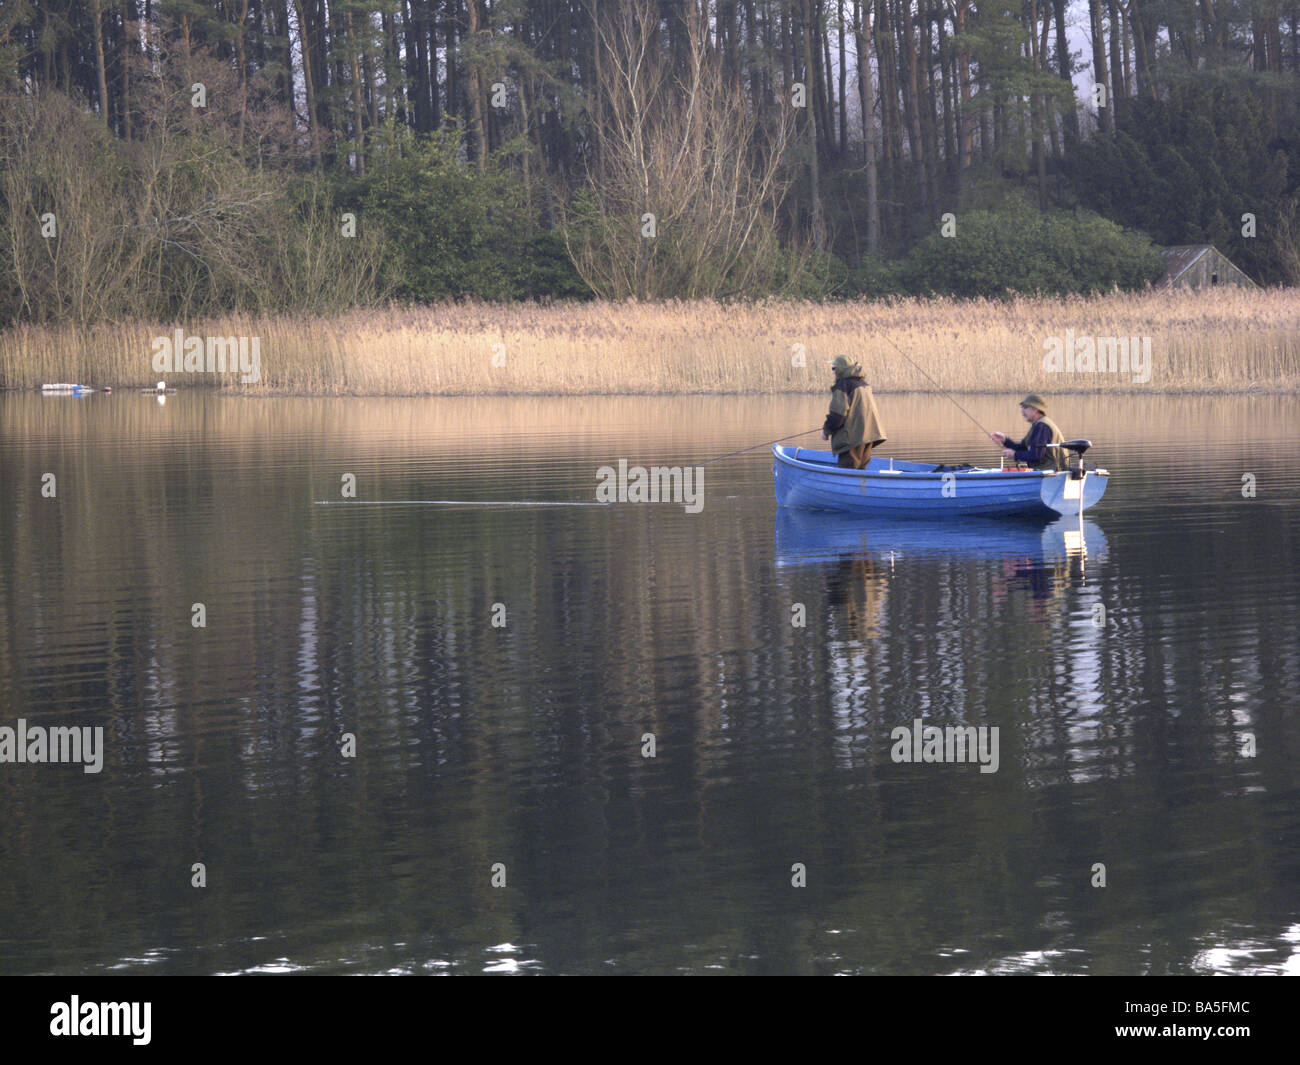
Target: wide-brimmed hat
1034 400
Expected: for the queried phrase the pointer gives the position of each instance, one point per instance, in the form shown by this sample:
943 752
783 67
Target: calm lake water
1124 745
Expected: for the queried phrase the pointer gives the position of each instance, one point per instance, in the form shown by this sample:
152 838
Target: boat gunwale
779 452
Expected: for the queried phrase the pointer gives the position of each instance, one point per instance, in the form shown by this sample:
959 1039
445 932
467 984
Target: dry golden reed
1224 340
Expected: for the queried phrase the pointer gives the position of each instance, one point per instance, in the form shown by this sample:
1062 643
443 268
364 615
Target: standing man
853 424
1033 449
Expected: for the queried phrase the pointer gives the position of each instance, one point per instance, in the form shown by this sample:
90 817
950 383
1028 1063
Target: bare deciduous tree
683 193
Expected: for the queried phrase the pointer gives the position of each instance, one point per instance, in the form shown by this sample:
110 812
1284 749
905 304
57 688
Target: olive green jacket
1054 457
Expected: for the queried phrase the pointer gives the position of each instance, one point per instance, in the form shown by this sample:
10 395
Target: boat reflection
1042 559
806 537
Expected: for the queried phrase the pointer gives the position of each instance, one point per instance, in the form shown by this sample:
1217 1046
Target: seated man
853 424
1033 449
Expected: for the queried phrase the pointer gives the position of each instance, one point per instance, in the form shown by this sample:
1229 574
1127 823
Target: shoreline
240 393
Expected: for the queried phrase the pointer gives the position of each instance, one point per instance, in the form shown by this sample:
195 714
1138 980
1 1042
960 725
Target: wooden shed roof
1182 257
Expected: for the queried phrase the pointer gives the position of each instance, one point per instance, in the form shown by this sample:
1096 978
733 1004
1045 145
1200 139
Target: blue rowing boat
811 480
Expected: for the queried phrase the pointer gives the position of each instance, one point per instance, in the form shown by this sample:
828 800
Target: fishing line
939 387
755 447
452 503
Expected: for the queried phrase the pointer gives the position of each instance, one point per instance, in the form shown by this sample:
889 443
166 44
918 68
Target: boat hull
811 480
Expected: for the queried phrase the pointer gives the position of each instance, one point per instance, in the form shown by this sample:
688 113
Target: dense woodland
186 156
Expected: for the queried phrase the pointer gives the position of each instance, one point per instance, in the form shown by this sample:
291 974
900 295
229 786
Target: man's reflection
855 589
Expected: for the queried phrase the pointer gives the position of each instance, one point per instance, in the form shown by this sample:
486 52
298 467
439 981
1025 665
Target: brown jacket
853 419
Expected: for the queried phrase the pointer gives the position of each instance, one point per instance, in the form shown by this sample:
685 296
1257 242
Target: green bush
546 271
452 230
1019 249
876 278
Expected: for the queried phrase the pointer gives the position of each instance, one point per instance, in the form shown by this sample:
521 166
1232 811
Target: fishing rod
767 443
940 388
796 436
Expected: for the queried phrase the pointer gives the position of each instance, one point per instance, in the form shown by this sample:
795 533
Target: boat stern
1071 493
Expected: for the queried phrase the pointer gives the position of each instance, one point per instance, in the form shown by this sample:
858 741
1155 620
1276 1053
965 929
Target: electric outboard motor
1075 448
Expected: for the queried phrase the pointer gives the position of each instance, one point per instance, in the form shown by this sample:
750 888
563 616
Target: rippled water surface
1161 744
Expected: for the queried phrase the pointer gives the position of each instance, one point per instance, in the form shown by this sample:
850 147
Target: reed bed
1224 340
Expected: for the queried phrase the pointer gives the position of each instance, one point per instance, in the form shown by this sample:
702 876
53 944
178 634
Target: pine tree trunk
453 78
1063 66
241 55
810 80
927 103
96 20
844 110
1099 77
891 121
912 104
1037 105
1116 62
128 17
309 86
866 97
474 90
358 108
961 10
948 101
828 70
